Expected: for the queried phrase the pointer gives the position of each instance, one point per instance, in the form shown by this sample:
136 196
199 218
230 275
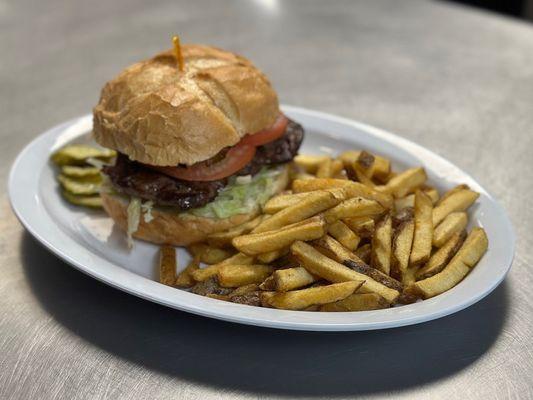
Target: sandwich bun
178 229
158 115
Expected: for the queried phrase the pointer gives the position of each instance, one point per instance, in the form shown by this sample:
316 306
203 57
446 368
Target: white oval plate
88 241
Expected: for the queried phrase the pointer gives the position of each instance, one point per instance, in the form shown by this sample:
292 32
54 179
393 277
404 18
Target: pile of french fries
350 235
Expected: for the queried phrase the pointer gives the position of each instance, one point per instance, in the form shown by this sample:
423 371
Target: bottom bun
172 228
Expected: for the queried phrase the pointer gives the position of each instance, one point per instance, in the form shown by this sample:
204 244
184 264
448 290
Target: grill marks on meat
134 179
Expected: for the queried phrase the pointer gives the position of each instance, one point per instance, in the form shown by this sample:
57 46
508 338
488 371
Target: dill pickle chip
78 187
76 154
86 201
79 172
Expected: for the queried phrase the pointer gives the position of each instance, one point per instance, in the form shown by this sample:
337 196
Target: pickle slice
76 154
86 201
80 172
77 187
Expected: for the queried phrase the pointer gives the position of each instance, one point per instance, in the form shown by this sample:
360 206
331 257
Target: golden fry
362 226
340 231
283 201
364 252
406 182
224 238
185 279
423 235
267 258
382 245
326 268
209 254
440 258
381 168
357 302
167 265
257 243
453 190
232 275
203 274
455 222
287 279
352 189
354 207
469 254
307 207
401 247
303 298
459 200
308 163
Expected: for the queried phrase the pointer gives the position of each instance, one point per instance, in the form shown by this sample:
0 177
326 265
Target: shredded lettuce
134 217
242 195
146 208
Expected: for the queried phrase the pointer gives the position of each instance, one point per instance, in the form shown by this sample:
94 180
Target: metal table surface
456 80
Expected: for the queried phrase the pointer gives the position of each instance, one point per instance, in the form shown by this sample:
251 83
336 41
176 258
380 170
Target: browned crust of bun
177 229
158 115
168 228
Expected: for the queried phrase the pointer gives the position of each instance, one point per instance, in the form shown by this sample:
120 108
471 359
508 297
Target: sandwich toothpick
177 52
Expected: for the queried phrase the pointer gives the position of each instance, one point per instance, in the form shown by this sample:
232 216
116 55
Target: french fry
406 182
453 190
232 275
459 200
283 201
352 189
357 302
375 274
224 238
453 223
287 279
340 231
307 207
364 252
409 275
381 168
309 163
251 287
167 265
423 235
303 298
409 200
339 253
210 286
216 296
320 265
203 274
382 245
329 168
362 226
362 177
257 243
267 258
184 279
209 254
467 257
365 163
442 256
401 247
354 207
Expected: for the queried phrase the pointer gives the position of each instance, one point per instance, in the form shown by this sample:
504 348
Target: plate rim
284 319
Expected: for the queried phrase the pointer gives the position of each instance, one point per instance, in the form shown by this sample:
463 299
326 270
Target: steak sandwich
201 146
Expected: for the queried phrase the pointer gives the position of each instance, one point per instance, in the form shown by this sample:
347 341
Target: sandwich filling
218 198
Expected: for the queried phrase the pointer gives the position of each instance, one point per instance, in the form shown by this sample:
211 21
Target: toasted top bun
158 115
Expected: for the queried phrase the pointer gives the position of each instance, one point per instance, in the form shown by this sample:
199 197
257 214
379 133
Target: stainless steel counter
453 79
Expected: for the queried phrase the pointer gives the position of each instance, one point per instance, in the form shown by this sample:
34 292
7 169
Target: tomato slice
267 135
236 158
